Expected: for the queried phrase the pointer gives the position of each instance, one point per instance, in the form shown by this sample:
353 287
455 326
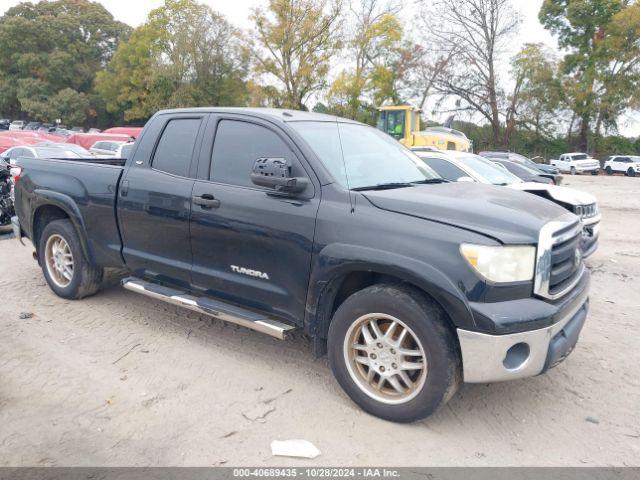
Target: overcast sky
134 12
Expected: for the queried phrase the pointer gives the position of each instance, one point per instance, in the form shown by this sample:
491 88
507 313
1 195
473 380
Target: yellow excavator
402 122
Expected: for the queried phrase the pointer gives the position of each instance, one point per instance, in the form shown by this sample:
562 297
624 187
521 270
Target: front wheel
63 263
573 170
609 171
393 352
631 172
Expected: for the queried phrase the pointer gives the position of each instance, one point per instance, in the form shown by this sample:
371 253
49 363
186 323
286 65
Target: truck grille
586 211
566 258
559 264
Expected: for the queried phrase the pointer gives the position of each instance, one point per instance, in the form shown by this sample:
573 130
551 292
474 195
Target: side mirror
275 173
466 180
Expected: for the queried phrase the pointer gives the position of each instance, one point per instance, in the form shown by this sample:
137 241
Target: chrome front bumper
496 358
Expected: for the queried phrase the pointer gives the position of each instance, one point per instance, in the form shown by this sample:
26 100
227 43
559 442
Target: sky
134 13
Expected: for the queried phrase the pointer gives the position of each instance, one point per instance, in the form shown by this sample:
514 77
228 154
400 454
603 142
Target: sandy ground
119 380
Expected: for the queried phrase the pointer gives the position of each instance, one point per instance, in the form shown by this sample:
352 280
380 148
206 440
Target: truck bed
90 184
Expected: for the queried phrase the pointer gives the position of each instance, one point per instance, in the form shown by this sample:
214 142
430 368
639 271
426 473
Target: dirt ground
122 380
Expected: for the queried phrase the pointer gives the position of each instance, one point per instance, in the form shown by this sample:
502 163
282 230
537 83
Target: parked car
5 123
627 164
525 173
124 150
301 220
77 129
577 163
46 127
106 148
454 166
77 149
94 130
541 168
37 151
17 125
32 126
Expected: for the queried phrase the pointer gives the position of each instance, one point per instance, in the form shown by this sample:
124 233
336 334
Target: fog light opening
516 356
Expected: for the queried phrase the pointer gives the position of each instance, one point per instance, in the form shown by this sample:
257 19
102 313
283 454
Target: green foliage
52 50
185 55
376 46
293 43
602 40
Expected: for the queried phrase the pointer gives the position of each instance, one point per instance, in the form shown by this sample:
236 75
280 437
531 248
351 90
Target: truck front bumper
494 358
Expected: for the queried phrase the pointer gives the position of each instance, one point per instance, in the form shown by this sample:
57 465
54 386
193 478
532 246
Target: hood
566 195
501 213
547 168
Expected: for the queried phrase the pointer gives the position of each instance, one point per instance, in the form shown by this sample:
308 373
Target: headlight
501 263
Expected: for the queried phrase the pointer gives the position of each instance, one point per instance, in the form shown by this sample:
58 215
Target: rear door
250 246
154 203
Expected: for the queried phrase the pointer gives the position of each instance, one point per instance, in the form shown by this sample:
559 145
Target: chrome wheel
59 259
385 358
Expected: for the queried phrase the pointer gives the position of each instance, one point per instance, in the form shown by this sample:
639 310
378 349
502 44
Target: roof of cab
284 115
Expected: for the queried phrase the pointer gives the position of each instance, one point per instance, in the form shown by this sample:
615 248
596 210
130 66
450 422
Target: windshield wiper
384 186
429 180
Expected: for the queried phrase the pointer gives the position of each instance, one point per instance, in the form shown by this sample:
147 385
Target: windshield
360 156
487 170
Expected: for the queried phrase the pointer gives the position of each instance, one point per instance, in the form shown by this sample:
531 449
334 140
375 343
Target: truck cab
403 123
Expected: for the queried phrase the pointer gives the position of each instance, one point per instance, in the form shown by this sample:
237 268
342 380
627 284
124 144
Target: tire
573 170
82 279
594 172
428 333
631 172
609 171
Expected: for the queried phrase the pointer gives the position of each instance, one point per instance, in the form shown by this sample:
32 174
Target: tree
602 39
537 96
185 55
51 47
293 43
375 47
473 33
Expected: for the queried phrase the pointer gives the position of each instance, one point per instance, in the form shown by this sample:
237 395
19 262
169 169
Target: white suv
627 164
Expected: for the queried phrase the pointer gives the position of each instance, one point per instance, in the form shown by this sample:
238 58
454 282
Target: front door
249 246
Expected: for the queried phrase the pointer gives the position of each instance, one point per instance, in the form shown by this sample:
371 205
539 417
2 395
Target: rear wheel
609 171
631 172
393 352
64 265
594 172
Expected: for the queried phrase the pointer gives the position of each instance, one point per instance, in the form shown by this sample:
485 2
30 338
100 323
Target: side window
15 153
175 148
238 145
26 153
446 170
99 145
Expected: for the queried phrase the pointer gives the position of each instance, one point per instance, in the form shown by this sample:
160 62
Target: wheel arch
342 270
50 206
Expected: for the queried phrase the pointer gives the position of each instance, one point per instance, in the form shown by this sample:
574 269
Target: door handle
206 201
124 188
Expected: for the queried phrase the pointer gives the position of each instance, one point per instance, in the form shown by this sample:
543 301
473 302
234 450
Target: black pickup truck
278 219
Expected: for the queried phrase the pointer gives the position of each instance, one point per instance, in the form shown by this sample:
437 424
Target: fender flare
335 261
43 198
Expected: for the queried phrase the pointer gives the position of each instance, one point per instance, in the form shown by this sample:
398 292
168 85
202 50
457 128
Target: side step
207 306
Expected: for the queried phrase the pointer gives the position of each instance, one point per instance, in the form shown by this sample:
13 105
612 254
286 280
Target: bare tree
473 35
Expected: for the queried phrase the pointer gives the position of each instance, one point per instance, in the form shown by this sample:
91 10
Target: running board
207 306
